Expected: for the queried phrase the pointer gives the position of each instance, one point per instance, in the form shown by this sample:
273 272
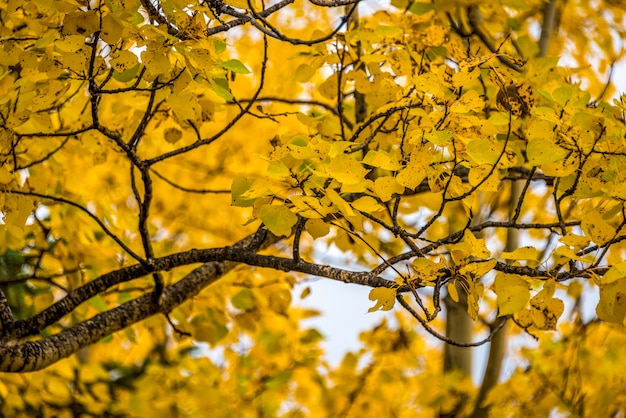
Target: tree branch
31 356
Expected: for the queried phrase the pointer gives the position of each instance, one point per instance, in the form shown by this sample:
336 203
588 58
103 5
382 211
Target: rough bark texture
19 356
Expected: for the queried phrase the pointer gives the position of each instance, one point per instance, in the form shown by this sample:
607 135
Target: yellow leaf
57 391
541 299
439 138
565 251
616 272
123 60
612 303
513 293
346 169
185 105
51 264
329 88
156 59
112 29
472 306
412 175
462 78
523 253
597 228
367 204
478 246
434 35
317 228
305 292
71 43
172 135
477 176
385 298
429 83
453 292
469 102
17 210
303 73
242 4
279 300
477 269
310 207
341 204
386 187
362 82
5 175
524 318
382 160
574 240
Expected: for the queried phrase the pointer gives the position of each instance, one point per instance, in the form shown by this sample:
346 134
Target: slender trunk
459 328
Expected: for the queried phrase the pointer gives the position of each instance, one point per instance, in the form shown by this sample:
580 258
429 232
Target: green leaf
124 297
439 138
209 328
420 8
540 151
239 187
564 94
279 380
218 44
220 87
99 303
260 187
127 75
483 151
244 300
278 219
236 66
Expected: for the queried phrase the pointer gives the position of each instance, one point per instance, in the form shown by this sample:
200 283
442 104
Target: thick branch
31 356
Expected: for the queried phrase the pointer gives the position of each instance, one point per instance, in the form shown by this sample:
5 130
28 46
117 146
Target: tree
168 170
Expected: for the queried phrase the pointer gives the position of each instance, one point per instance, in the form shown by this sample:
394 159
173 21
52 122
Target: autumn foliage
170 170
